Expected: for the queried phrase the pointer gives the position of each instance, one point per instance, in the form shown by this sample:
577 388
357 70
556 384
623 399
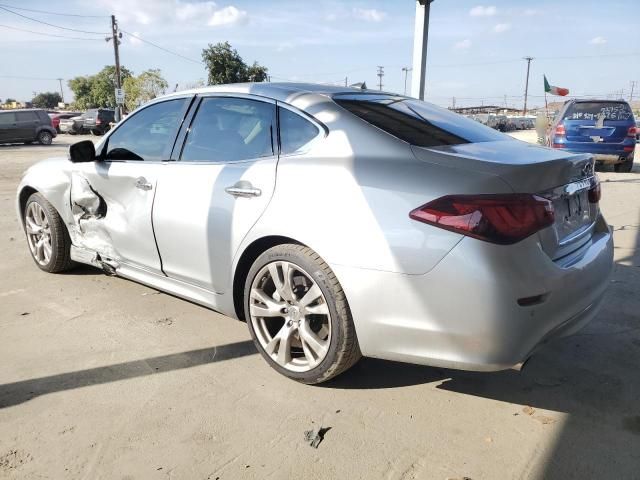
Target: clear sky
475 48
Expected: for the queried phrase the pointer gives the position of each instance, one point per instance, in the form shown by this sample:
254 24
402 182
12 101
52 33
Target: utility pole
633 86
61 92
116 42
346 80
380 75
526 85
420 39
406 70
453 103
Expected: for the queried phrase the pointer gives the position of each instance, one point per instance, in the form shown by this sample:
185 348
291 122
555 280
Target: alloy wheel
290 316
38 233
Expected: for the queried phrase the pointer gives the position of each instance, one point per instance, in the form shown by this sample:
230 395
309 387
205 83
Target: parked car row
504 123
96 121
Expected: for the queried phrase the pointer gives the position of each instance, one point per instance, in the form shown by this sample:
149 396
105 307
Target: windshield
416 122
596 110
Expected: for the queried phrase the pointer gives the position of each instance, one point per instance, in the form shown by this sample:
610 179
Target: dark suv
98 120
26 126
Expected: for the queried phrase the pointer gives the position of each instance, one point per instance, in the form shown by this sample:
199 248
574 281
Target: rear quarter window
296 132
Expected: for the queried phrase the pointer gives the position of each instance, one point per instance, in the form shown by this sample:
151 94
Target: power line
48 34
52 13
161 48
51 24
18 77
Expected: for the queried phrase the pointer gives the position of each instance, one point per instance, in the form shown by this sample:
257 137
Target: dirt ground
102 378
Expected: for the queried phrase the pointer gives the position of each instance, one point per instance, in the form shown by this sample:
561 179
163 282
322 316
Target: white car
337 222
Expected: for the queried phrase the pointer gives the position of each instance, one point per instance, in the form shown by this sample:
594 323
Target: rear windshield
416 122
596 110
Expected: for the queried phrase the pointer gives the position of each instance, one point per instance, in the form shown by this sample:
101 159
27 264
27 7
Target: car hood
527 168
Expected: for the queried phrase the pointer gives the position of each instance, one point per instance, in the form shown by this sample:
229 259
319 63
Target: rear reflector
595 192
502 219
559 145
628 149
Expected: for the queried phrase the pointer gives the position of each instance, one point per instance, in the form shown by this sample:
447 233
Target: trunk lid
589 131
563 178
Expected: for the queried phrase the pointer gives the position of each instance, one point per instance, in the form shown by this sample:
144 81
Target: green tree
9 100
143 88
225 65
46 100
97 90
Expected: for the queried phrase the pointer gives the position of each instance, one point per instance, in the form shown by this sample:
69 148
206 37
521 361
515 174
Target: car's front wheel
45 138
47 235
298 315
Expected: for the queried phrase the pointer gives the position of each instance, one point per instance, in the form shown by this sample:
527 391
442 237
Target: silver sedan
336 222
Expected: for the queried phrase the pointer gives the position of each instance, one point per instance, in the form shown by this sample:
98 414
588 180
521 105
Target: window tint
595 110
7 118
25 116
147 135
416 122
295 131
230 129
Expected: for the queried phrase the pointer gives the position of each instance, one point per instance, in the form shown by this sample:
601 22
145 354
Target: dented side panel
111 205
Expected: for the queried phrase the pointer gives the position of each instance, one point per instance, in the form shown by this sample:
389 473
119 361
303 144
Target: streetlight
420 37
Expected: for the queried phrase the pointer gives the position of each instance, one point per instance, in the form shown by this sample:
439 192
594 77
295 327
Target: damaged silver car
337 222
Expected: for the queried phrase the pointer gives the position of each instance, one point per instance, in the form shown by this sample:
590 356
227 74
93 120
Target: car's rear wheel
47 235
96 133
45 138
298 315
624 167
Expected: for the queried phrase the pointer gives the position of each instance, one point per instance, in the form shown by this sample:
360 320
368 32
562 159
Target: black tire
96 133
45 137
60 259
624 167
343 351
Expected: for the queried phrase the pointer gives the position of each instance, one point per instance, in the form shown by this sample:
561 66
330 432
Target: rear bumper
612 154
465 314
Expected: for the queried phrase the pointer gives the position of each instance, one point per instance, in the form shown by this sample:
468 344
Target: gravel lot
102 378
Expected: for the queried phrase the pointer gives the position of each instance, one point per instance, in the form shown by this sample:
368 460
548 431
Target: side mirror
82 152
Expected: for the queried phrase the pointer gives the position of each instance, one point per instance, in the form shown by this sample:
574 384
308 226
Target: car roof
281 91
22 110
597 100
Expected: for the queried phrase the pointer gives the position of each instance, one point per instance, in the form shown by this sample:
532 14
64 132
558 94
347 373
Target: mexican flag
553 90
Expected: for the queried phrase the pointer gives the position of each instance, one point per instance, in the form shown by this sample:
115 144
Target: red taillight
595 192
503 219
98 121
560 130
632 132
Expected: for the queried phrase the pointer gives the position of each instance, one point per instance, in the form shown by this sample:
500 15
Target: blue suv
604 128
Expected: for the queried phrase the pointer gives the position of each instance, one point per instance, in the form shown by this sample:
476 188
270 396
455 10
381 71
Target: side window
295 131
147 135
7 118
25 116
229 129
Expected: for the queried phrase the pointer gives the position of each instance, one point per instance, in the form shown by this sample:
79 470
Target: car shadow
19 392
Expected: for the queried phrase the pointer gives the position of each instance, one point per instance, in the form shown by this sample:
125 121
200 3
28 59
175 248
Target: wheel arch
23 196
246 260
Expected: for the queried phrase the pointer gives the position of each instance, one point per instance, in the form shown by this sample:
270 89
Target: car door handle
142 184
244 190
